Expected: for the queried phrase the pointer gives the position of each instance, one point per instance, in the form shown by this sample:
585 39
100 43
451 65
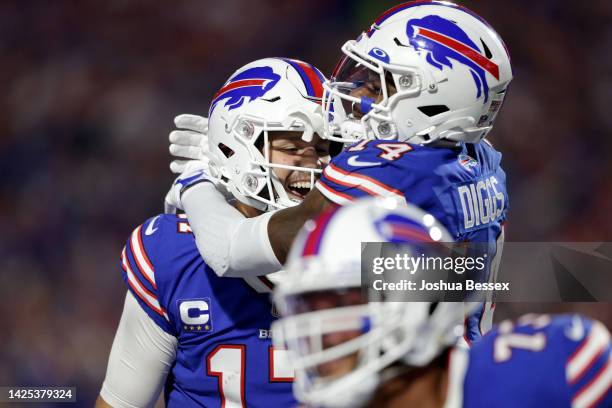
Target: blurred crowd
91 89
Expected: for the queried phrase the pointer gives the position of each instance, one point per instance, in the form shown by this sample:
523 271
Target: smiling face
288 148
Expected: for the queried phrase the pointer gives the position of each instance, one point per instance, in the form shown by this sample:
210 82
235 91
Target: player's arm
285 224
236 246
140 359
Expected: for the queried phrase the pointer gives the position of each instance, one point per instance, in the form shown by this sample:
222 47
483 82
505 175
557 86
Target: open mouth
299 189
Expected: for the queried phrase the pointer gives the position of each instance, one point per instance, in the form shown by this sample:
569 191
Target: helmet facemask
342 347
254 181
349 117
343 339
343 350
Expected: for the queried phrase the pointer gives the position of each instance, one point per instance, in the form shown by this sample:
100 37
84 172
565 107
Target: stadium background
90 91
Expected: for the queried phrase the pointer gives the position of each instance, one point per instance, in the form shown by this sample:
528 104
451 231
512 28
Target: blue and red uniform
463 187
224 356
542 361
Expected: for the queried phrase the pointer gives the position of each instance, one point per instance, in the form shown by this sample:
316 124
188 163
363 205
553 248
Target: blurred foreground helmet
425 70
339 338
264 96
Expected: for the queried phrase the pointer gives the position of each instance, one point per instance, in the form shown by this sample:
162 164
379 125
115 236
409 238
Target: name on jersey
195 314
482 202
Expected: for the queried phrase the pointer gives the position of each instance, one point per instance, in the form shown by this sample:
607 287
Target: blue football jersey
541 361
224 355
463 187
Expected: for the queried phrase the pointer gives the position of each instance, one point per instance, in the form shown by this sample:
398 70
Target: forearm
285 224
236 246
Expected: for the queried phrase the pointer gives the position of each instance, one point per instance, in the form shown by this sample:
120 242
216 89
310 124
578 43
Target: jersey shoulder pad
153 258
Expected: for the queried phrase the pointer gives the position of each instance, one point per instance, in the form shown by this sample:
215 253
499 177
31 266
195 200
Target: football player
420 90
350 349
206 339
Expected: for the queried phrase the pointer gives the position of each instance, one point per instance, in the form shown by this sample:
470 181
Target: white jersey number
227 363
390 150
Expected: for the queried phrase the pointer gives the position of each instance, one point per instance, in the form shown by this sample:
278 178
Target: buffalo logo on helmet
246 87
443 41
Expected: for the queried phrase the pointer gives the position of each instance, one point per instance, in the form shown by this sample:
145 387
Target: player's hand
188 142
195 171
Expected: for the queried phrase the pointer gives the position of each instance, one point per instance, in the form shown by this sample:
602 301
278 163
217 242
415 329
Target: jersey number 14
389 151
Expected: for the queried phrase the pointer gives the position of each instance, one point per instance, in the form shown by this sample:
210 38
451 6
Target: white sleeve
231 244
139 361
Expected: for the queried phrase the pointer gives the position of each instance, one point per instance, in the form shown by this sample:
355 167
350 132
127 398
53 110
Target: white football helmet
267 95
321 296
433 70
